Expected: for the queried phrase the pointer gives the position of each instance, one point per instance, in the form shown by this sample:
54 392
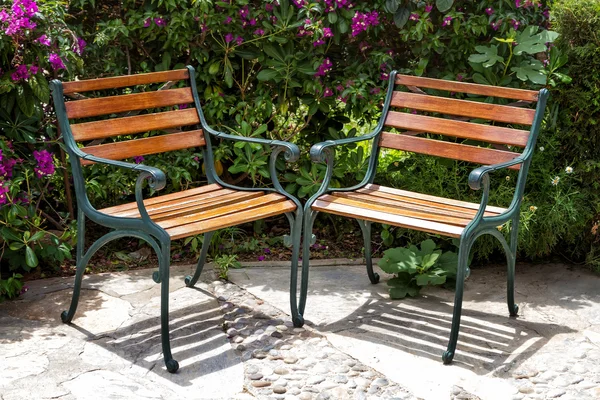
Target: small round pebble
281 371
279 389
290 360
260 384
255 377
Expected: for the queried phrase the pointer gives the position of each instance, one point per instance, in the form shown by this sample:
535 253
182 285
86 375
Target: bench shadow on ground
422 328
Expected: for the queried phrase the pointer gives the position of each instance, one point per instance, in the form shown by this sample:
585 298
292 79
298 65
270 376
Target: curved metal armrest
476 177
317 150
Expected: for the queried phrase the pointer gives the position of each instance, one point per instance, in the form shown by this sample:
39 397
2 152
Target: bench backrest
167 111
503 118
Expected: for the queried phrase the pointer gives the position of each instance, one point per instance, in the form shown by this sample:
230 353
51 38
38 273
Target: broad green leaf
488 56
448 262
429 260
332 17
444 5
530 70
401 290
401 16
25 100
430 279
40 88
267 75
427 246
530 42
391 6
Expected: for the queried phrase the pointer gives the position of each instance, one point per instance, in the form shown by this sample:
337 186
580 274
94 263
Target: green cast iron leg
309 220
365 227
463 259
189 280
511 258
67 316
163 267
296 231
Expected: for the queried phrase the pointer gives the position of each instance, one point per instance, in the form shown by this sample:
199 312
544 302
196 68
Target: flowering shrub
35 45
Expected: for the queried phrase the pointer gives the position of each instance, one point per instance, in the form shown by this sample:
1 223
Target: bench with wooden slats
113 120
454 120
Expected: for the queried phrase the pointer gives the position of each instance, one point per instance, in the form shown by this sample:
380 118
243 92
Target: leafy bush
417 267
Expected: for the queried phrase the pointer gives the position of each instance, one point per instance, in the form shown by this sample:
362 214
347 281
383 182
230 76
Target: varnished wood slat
220 201
450 150
412 204
177 204
378 190
464 87
146 146
428 216
222 210
128 102
115 210
130 125
466 130
387 218
124 81
232 219
464 108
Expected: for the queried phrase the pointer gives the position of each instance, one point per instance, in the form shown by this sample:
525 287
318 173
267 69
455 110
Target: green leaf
391 6
214 68
429 260
267 75
444 5
430 279
25 100
400 289
530 70
448 262
530 42
332 17
40 88
401 16
427 247
488 57
30 257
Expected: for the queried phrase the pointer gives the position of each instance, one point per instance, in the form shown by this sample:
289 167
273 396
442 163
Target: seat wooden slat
128 102
455 151
176 204
464 108
461 129
378 190
130 125
223 209
124 81
116 210
146 146
387 218
232 219
393 209
464 87
387 199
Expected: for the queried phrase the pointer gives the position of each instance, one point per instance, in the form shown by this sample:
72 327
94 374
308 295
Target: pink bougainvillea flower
268 7
447 21
318 42
228 20
259 32
3 194
33 69
261 258
414 17
361 21
21 73
228 37
147 22
515 24
489 11
327 92
324 68
56 61
428 8
45 40
138 159
45 164
160 22
327 32
239 40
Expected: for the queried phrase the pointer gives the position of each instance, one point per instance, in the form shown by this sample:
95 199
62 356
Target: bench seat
205 209
403 208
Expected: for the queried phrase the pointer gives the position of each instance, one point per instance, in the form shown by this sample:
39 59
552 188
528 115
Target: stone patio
235 341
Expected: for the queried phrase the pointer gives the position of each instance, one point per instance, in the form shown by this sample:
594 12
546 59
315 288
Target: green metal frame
478 180
144 228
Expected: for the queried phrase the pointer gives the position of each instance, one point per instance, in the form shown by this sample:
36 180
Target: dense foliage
300 70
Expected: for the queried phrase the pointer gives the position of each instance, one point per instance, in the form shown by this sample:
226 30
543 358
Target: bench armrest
476 176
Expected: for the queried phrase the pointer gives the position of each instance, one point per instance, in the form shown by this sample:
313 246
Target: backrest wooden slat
471 88
145 146
123 81
463 108
129 102
466 130
130 125
480 155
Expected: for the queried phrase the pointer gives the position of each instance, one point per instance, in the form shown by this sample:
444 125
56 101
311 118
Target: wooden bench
368 202
161 116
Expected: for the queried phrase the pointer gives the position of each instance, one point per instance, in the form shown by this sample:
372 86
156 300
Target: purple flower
375 90
56 61
261 258
239 40
160 22
518 3
259 32
228 37
362 46
228 20
318 42
33 69
267 250
268 7
515 24
496 25
3 15
327 32
327 92
138 159
45 164
428 8
489 11
244 12
3 192
20 73
45 40
339 88
460 78
324 68
414 17
80 46
252 22
360 22
147 22
6 166
447 21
